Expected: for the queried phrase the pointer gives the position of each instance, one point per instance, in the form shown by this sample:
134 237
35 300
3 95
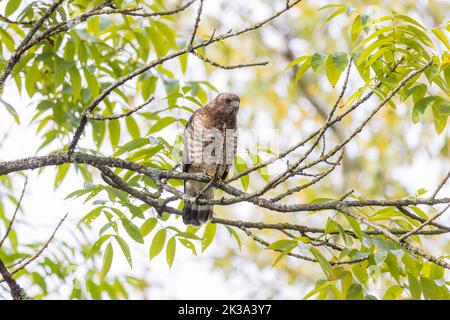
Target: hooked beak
235 105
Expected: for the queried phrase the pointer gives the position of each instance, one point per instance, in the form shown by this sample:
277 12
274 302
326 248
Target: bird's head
229 101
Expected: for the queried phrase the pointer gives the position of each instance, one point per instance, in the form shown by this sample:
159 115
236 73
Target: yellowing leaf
12 6
208 235
107 260
157 243
170 251
438 32
332 72
132 230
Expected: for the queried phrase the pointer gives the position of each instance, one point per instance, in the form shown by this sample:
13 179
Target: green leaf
317 60
183 62
135 211
107 260
75 81
60 174
98 244
414 286
282 244
440 120
355 226
355 292
410 20
340 60
373 46
114 132
93 289
148 226
417 91
392 263
241 166
148 87
132 145
282 255
420 107
435 272
133 127
161 124
92 82
443 107
132 230
92 215
360 20
332 72
325 265
338 11
302 69
208 235
295 62
170 251
157 243
234 234
12 6
125 249
393 293
319 287
331 227
11 111
188 244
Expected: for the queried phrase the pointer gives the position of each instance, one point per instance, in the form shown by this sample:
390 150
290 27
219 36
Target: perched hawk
209 130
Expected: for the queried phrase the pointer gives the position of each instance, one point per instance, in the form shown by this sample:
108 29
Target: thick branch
17 292
36 162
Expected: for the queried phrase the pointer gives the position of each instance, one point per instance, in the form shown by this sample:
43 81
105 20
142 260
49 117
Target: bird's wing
231 149
186 137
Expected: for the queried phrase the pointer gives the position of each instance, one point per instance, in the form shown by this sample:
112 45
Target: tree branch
8 230
17 292
15 57
91 116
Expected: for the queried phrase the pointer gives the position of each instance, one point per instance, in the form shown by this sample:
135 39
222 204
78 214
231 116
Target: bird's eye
228 101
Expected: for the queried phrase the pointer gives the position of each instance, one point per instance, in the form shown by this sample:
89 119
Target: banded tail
194 213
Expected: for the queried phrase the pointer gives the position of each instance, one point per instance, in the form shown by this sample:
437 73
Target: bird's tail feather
196 214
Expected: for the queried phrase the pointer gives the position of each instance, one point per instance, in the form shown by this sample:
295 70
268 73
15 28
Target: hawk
210 142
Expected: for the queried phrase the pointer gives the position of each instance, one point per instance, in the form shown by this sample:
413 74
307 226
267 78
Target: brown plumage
209 130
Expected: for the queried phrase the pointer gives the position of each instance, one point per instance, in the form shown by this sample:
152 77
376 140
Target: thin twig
8 230
38 253
197 21
299 256
441 184
25 23
390 235
415 217
98 117
424 224
162 13
231 67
